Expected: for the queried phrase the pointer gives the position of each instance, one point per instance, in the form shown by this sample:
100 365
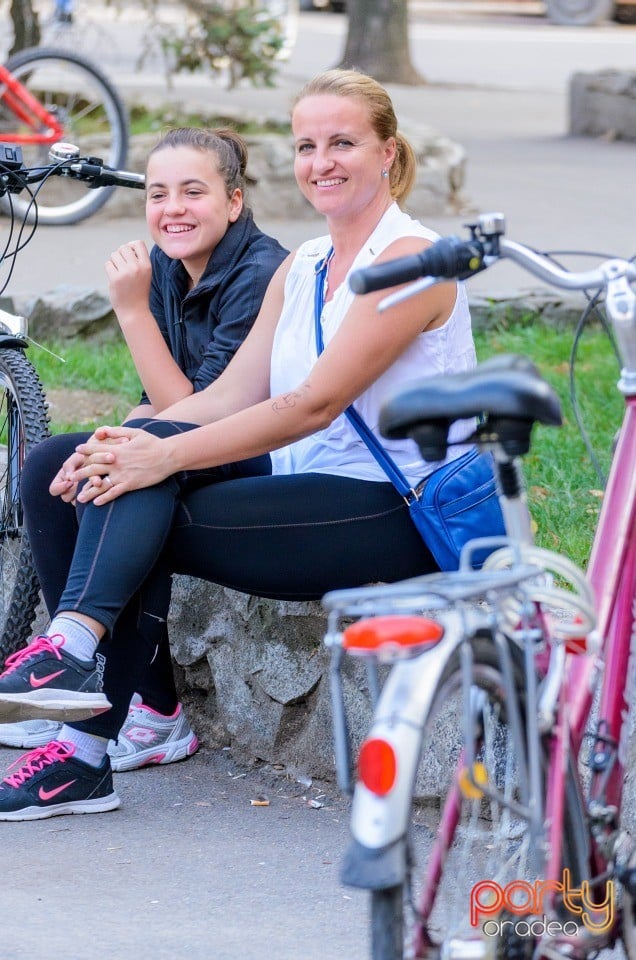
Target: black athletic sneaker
51 782
44 682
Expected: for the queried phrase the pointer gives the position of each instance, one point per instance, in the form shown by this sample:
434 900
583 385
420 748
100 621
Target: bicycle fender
9 342
374 869
13 328
379 823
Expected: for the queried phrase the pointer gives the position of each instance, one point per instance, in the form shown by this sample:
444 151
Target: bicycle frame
612 574
576 682
44 126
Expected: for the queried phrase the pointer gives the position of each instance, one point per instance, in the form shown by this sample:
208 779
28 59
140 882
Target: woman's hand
117 460
62 484
129 273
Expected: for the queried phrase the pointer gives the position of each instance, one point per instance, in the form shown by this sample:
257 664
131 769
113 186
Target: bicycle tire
94 119
395 926
23 424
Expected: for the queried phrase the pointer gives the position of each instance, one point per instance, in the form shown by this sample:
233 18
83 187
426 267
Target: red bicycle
48 96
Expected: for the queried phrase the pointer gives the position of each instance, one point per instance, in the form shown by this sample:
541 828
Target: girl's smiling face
187 207
338 156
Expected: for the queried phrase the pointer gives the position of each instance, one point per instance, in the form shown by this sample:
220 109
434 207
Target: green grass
107 368
564 490
143 120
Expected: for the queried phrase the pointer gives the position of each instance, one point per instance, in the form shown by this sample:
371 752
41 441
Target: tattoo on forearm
287 400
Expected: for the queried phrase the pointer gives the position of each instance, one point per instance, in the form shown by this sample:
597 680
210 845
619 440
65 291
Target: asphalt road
187 868
497 84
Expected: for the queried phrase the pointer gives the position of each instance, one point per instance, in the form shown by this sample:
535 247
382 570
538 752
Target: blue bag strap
389 466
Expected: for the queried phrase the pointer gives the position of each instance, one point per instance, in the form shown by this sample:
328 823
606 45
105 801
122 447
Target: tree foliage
241 40
235 38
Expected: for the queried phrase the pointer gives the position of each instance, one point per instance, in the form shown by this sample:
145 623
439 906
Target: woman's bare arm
364 347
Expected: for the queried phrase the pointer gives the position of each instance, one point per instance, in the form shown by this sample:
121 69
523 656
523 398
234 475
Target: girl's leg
116 549
52 527
157 687
283 537
51 524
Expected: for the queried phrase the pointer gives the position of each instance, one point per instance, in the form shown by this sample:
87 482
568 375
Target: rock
68 312
261 672
273 192
603 104
264 672
555 309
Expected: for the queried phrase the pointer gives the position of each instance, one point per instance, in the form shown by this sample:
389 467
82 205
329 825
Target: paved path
498 88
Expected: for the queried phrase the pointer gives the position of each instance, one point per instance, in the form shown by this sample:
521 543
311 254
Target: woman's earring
385 174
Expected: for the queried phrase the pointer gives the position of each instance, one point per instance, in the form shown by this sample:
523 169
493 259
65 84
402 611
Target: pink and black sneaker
51 782
43 681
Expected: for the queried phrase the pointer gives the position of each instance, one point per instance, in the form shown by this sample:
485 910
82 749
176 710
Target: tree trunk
26 27
378 43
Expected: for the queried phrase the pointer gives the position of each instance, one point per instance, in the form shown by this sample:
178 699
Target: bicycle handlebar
454 258
449 257
96 174
66 162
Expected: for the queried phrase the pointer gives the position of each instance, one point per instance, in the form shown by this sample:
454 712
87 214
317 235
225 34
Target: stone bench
254 673
603 104
273 192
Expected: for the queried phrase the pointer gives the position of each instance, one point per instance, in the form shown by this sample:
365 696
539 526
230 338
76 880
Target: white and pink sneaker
148 737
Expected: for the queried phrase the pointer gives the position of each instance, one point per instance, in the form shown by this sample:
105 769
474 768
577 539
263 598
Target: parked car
336 6
583 13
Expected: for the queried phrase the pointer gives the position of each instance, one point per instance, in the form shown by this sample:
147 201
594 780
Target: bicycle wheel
23 423
94 119
429 915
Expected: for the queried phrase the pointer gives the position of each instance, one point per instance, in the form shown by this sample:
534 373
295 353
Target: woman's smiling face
187 206
338 156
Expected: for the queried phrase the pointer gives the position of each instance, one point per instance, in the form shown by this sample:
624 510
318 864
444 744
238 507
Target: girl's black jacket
205 326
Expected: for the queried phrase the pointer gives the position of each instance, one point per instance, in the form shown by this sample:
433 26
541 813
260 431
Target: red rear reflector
399 634
377 766
585 643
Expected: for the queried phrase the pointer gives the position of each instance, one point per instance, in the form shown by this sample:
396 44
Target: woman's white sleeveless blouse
338 449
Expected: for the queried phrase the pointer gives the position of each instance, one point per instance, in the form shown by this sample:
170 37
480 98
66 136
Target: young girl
325 518
184 309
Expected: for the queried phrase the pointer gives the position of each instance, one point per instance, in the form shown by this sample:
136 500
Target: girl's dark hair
228 146
352 83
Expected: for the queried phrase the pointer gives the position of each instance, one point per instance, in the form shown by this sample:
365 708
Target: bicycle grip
449 257
119 178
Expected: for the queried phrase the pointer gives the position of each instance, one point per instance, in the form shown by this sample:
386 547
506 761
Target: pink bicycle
486 816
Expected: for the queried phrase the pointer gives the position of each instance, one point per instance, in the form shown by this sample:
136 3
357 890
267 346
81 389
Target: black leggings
52 527
284 537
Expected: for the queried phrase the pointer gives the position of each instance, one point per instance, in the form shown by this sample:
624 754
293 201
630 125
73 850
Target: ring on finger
108 480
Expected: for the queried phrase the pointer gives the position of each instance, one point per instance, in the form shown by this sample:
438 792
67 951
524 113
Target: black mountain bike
24 419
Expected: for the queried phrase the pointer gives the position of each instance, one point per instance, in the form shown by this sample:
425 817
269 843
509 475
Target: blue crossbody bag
453 504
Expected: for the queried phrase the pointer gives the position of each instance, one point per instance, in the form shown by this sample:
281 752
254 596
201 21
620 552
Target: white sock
79 640
88 748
